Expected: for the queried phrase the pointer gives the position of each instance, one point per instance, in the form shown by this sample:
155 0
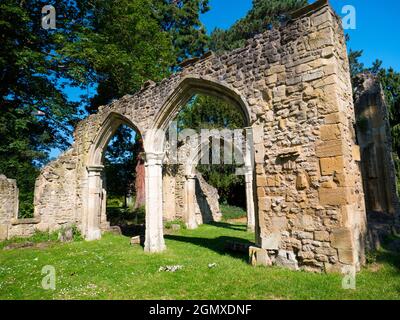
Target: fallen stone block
259 257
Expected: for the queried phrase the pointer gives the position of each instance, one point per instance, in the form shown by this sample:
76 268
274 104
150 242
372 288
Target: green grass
112 269
232 212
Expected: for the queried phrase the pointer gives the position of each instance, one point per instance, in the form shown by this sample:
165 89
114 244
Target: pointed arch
107 130
192 85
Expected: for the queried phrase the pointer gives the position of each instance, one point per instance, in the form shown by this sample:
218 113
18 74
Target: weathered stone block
261 192
3 232
259 257
328 149
287 259
356 153
346 256
345 180
338 196
302 181
259 153
331 165
321 235
330 132
278 224
274 181
272 241
334 118
264 204
341 238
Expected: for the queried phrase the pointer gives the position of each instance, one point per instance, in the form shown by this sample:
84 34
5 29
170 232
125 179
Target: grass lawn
112 269
232 212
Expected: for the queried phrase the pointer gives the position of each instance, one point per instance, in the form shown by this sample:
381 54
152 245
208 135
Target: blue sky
377 32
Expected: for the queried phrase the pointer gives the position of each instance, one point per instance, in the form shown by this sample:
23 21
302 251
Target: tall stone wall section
207 208
374 138
309 187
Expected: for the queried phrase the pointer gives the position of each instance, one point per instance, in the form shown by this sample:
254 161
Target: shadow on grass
219 245
390 252
236 227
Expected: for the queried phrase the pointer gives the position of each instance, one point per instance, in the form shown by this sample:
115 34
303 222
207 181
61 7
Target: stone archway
242 151
292 84
155 143
94 217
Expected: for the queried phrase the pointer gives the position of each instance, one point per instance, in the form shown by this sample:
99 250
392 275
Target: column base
191 225
155 249
92 235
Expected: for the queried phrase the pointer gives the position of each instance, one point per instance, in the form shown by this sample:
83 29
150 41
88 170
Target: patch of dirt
239 220
374 267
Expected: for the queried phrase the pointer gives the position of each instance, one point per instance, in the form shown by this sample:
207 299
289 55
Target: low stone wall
8 204
174 197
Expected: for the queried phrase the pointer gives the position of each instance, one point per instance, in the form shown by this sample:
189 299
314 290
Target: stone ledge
309 9
25 221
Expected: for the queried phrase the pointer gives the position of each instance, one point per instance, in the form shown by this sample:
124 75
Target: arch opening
179 121
115 180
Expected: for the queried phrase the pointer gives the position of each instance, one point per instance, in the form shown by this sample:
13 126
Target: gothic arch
107 130
191 85
247 170
94 207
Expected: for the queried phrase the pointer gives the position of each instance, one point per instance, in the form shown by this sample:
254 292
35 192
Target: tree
264 15
112 45
208 112
35 114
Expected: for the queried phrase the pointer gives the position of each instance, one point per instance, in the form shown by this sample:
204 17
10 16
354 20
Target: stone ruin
292 85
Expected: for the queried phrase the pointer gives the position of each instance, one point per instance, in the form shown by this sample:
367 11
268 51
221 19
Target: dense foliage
111 45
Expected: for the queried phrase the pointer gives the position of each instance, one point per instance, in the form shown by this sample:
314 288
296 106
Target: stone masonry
378 170
293 87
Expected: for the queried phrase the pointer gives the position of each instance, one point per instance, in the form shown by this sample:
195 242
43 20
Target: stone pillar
154 205
191 222
95 199
251 220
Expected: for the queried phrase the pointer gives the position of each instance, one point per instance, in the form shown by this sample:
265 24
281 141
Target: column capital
154 158
95 168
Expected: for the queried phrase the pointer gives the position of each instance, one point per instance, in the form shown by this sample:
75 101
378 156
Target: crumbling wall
293 86
174 196
374 138
207 204
8 204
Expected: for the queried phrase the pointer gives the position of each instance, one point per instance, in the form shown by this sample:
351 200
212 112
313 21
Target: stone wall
8 204
207 209
175 201
292 85
374 138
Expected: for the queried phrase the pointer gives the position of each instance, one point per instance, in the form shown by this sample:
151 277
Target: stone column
154 241
250 199
191 202
94 203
